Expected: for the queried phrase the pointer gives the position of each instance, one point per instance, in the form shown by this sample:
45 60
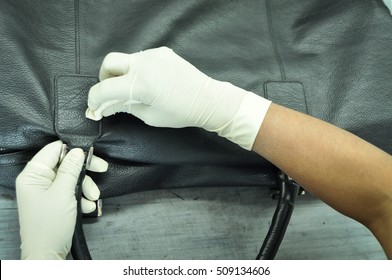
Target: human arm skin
351 175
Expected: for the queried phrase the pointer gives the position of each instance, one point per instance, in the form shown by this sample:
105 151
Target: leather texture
331 59
70 123
288 94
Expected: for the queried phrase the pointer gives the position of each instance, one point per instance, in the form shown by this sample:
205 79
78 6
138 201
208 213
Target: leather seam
274 41
77 36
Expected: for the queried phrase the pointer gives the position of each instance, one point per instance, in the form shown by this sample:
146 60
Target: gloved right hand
164 90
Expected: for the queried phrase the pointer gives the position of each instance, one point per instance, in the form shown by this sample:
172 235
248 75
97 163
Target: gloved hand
47 204
164 90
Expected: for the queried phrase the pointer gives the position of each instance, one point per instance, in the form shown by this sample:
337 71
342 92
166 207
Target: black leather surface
286 93
338 51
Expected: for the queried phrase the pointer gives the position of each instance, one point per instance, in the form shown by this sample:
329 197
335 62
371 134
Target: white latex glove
47 204
164 90
388 3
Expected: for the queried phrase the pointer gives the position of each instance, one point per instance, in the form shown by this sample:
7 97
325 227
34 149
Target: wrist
237 114
245 125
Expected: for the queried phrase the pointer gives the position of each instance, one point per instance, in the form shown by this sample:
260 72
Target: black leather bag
330 59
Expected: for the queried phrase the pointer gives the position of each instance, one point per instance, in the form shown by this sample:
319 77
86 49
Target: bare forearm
351 175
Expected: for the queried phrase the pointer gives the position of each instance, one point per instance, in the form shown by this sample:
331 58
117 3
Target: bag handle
288 192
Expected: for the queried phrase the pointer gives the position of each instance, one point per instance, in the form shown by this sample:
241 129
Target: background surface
213 223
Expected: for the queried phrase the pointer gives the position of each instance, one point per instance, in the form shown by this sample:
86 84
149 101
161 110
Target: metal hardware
275 191
89 155
99 207
64 150
286 193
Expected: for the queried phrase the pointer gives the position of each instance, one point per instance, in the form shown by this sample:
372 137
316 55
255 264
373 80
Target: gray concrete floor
215 223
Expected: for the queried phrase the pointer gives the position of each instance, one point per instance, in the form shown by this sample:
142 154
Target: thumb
69 170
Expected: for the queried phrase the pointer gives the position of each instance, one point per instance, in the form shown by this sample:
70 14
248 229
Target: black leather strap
79 249
288 192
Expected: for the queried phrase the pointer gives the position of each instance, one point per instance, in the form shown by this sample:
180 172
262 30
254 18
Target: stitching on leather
306 100
274 42
77 37
56 105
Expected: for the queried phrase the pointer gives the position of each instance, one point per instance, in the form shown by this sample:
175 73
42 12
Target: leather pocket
71 125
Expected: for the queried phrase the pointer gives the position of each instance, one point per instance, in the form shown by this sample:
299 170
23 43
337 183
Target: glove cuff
245 125
43 256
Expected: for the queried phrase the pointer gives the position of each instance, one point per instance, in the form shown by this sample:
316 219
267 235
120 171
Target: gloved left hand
47 204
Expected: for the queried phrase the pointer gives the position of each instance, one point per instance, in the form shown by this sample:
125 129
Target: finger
90 189
113 89
69 170
114 64
93 115
48 155
35 175
110 108
98 164
105 110
87 206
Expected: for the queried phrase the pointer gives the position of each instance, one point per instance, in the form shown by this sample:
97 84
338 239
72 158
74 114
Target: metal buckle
89 157
64 150
283 177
